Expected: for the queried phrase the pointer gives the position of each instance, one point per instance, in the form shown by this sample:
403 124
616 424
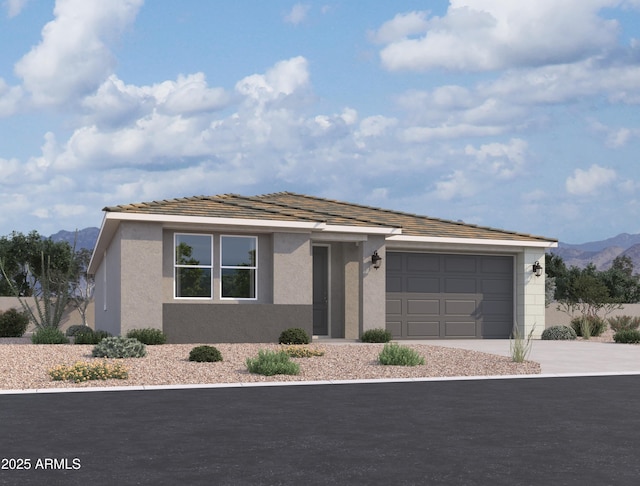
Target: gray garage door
449 296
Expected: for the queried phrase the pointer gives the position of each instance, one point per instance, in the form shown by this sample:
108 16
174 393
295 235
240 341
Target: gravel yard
25 366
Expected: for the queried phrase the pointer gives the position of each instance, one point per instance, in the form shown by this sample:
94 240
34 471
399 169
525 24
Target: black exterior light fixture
537 269
376 259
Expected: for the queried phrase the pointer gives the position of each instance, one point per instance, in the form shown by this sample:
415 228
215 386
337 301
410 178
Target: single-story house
231 268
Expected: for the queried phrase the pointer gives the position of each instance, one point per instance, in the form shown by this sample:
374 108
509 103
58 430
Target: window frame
210 267
235 267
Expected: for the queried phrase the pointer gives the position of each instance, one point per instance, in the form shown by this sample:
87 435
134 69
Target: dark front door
320 290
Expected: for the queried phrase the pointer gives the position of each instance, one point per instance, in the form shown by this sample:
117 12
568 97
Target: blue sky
518 115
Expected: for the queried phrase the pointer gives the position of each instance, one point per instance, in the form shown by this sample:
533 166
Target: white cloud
480 35
14 7
298 14
400 27
455 185
281 80
587 182
10 99
501 160
74 58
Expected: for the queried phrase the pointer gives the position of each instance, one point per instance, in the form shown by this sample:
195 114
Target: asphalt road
530 431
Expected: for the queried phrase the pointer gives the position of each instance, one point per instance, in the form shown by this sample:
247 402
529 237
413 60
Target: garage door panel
423 329
449 296
460 285
460 329
424 307
455 307
394 307
420 263
423 284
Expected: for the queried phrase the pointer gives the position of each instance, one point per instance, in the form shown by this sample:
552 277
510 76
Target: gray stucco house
230 268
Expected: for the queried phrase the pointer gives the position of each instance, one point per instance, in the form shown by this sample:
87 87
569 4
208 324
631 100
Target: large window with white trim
193 265
238 267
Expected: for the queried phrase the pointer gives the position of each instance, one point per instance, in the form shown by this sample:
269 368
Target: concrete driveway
561 357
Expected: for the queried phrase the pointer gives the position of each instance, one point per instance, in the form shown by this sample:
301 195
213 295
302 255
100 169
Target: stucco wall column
530 293
292 269
373 285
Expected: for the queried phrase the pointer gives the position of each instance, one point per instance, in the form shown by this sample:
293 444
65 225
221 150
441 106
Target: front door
320 291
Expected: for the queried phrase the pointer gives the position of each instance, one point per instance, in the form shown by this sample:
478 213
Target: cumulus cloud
587 182
455 185
73 57
503 161
298 14
281 80
14 7
481 35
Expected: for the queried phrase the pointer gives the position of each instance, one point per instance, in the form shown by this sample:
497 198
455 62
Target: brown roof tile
288 206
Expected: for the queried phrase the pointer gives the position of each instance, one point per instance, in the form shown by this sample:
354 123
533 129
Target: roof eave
473 241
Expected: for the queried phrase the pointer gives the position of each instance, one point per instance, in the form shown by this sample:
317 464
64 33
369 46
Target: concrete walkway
561 357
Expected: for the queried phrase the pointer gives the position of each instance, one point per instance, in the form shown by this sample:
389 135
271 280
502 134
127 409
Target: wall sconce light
376 259
537 269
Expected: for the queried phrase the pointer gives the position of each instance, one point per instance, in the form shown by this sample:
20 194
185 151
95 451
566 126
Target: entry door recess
320 290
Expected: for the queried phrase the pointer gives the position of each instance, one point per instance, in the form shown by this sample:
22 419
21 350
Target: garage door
431 296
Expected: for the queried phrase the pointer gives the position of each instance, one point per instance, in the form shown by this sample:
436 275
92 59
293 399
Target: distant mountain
601 253
85 238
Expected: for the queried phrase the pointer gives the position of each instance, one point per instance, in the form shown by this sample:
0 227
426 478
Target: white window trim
254 268
175 265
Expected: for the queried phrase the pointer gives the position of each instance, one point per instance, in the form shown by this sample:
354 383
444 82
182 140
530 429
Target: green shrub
149 336
376 336
298 351
629 336
119 347
82 371
395 355
558 333
89 336
618 323
49 335
271 363
587 326
76 328
13 323
205 353
294 335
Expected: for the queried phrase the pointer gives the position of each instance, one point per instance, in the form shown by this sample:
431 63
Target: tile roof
288 206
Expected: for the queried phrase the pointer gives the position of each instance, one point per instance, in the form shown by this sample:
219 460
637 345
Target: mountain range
600 253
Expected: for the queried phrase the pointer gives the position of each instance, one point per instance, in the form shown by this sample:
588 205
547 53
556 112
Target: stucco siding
530 295
292 269
373 285
108 288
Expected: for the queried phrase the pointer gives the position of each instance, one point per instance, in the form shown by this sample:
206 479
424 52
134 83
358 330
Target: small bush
119 347
271 363
13 323
202 354
395 355
294 335
587 326
618 323
89 336
82 371
558 333
298 351
376 336
75 329
149 336
627 336
49 335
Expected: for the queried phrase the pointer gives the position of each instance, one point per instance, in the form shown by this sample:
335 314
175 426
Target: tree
82 285
623 285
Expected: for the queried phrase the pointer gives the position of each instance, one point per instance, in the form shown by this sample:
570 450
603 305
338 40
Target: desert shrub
298 351
395 355
13 323
618 323
119 347
587 326
558 333
629 336
49 335
294 335
83 371
205 353
76 328
271 363
149 336
376 336
89 336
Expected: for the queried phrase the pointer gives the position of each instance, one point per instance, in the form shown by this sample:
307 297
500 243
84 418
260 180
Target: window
238 267
193 265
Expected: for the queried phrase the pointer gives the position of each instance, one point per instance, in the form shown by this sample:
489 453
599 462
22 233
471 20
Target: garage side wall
107 291
530 295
